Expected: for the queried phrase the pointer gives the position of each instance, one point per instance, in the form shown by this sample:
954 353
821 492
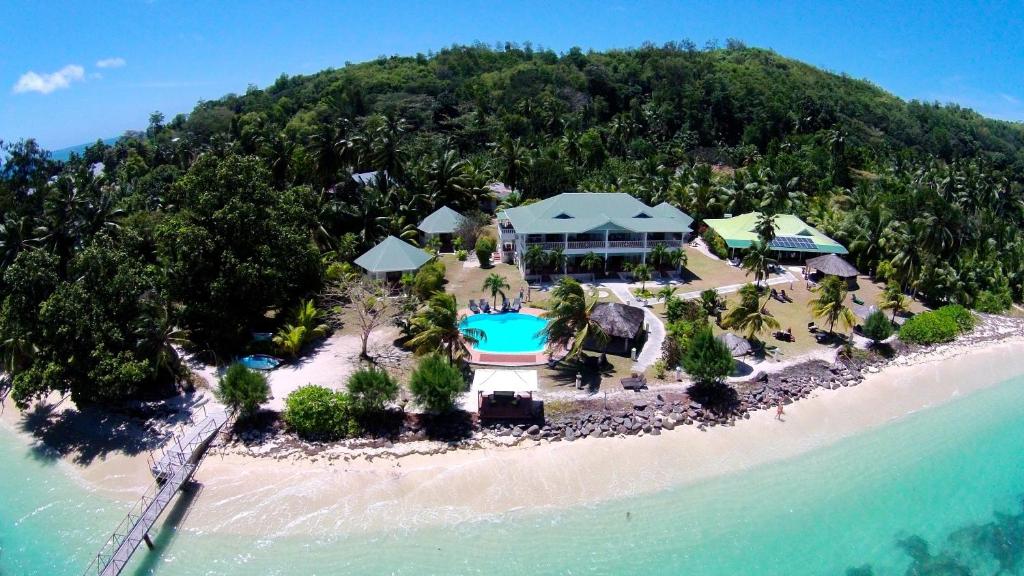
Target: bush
942 325
485 246
716 244
877 326
993 302
708 359
660 369
436 383
462 255
243 390
428 279
371 388
319 413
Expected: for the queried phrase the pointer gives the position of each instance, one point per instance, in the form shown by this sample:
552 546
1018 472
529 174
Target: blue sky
71 72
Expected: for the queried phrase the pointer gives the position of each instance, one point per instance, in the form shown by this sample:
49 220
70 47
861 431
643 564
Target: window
563 216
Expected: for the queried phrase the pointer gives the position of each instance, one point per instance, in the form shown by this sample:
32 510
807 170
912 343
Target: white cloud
46 83
116 62
1010 99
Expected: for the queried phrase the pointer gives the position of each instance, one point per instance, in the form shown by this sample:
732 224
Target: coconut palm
829 305
570 317
765 227
893 299
497 284
660 257
641 273
591 262
758 261
436 327
557 260
535 258
749 315
667 292
678 258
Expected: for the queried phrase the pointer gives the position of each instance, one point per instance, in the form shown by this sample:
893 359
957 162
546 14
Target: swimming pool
259 362
508 332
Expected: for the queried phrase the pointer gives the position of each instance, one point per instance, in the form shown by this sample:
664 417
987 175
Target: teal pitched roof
393 255
791 234
444 220
575 212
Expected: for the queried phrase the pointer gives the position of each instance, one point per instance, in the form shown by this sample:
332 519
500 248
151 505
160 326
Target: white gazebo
502 393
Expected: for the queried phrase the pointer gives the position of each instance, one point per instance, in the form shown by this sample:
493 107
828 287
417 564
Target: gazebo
833 265
504 393
623 324
442 223
392 258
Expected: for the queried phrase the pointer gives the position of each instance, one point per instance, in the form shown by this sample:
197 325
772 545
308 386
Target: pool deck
507 359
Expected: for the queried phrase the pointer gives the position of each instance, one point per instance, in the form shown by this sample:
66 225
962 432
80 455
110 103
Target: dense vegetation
942 325
207 226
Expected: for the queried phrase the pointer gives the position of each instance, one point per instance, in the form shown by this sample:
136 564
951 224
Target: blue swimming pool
508 332
259 362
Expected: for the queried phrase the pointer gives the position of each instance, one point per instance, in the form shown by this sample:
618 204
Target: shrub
708 359
485 246
462 255
243 390
993 302
428 279
660 369
436 383
716 244
319 413
942 325
877 326
371 388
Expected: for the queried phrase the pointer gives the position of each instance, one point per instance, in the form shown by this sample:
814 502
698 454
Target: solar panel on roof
793 243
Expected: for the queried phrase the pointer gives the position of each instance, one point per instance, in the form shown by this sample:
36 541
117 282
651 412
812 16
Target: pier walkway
176 465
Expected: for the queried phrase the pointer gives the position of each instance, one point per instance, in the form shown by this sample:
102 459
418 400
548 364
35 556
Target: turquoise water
508 332
942 475
259 362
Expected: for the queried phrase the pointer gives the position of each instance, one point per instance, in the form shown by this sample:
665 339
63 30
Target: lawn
466 279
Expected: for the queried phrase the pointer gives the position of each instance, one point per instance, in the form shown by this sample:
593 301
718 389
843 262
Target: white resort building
616 227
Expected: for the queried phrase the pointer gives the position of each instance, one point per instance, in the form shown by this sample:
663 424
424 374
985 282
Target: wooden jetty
176 465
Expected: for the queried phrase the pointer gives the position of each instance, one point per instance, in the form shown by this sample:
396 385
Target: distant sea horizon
63 154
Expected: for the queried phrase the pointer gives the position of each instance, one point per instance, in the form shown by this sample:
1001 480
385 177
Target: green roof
444 220
393 255
792 234
575 212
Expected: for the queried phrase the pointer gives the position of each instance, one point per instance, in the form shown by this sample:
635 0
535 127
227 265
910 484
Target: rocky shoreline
650 412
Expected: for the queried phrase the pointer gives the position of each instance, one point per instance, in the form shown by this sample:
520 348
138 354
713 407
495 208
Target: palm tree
591 262
667 292
641 273
660 257
436 327
749 315
570 316
765 227
829 305
497 284
557 259
535 258
758 261
678 258
893 299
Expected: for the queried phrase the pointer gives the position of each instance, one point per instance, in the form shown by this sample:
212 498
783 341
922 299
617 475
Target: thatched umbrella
738 346
833 265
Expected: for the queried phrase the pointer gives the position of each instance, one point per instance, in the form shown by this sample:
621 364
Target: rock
517 431
533 430
668 424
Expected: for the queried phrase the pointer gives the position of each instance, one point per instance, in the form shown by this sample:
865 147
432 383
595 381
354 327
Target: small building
623 324
367 178
496 193
792 235
392 258
832 265
442 223
504 394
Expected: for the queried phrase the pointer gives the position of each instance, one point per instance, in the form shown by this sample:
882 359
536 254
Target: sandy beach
303 495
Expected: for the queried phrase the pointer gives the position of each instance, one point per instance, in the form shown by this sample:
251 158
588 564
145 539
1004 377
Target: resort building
615 226
793 236
442 224
392 258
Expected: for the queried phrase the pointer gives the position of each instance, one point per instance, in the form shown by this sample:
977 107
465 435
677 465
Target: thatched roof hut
833 265
618 320
738 346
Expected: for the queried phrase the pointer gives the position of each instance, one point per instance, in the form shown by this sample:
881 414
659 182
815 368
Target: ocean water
937 492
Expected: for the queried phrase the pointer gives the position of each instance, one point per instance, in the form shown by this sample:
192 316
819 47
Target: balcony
625 243
583 244
666 243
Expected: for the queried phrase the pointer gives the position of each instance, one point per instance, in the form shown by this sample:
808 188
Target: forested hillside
199 225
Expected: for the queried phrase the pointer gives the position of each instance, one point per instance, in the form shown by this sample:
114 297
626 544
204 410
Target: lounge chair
485 307
504 304
517 304
473 306
812 327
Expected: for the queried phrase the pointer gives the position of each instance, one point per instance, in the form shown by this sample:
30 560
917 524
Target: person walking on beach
779 411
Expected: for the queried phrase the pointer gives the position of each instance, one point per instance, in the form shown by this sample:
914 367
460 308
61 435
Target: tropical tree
758 261
710 301
534 258
591 262
765 227
557 260
305 328
678 258
660 257
894 300
371 388
667 292
497 284
707 359
642 274
749 315
830 304
436 327
436 383
243 390
877 327
570 319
